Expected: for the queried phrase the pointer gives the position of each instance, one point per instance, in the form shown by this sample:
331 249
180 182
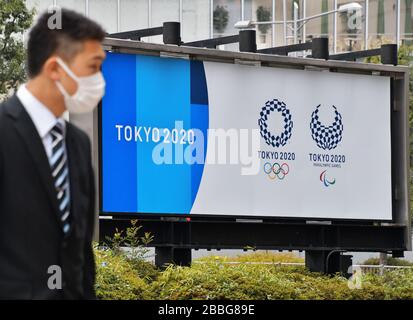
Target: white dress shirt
43 119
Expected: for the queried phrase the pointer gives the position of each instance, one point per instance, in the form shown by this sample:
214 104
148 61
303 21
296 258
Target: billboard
186 137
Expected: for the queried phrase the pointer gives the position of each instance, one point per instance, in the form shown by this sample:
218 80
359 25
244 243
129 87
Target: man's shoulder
78 134
3 105
8 108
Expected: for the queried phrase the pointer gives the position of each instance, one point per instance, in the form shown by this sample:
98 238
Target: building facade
374 23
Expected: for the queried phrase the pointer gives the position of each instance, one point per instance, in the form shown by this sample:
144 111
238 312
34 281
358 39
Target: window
77 5
195 20
260 11
382 22
322 26
163 11
351 27
134 14
106 13
39 5
225 14
406 22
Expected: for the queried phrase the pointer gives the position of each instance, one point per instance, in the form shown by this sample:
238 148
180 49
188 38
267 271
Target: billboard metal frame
175 235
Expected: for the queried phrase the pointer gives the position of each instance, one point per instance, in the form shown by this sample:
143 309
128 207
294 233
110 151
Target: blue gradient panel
151 92
199 119
199 90
164 86
118 157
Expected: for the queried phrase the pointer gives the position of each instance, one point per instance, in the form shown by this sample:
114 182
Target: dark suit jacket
31 234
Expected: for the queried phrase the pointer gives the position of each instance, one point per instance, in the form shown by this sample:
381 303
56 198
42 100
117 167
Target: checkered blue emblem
326 137
269 137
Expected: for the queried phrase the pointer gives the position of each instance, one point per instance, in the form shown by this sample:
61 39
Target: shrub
215 280
261 256
124 274
396 284
116 279
122 271
269 257
390 261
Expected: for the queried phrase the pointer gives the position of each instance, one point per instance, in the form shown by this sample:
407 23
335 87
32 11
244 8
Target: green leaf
15 19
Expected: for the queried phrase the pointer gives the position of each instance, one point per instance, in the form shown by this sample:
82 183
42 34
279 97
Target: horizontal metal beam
271 236
284 50
137 34
354 55
128 46
214 42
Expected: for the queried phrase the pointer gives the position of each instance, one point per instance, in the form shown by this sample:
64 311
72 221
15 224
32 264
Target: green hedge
117 279
261 256
121 278
390 261
251 282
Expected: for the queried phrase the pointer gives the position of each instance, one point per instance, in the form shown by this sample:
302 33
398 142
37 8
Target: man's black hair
47 39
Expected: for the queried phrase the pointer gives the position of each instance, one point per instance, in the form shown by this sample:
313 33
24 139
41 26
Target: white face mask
90 91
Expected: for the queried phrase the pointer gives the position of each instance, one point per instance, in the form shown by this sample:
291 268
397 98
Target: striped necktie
60 173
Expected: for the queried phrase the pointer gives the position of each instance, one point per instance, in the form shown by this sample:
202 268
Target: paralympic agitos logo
326 137
326 182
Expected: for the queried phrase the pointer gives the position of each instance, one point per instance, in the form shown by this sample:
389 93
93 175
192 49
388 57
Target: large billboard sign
186 137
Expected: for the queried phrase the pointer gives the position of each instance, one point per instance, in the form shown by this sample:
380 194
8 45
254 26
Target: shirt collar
43 119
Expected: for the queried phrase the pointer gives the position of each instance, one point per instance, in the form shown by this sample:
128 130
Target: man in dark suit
47 192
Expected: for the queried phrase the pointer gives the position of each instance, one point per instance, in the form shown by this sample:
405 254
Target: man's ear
51 69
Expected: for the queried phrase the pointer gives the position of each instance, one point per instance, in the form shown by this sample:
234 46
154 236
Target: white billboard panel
333 155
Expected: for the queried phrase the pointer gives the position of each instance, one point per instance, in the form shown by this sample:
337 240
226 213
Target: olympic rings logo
276 170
